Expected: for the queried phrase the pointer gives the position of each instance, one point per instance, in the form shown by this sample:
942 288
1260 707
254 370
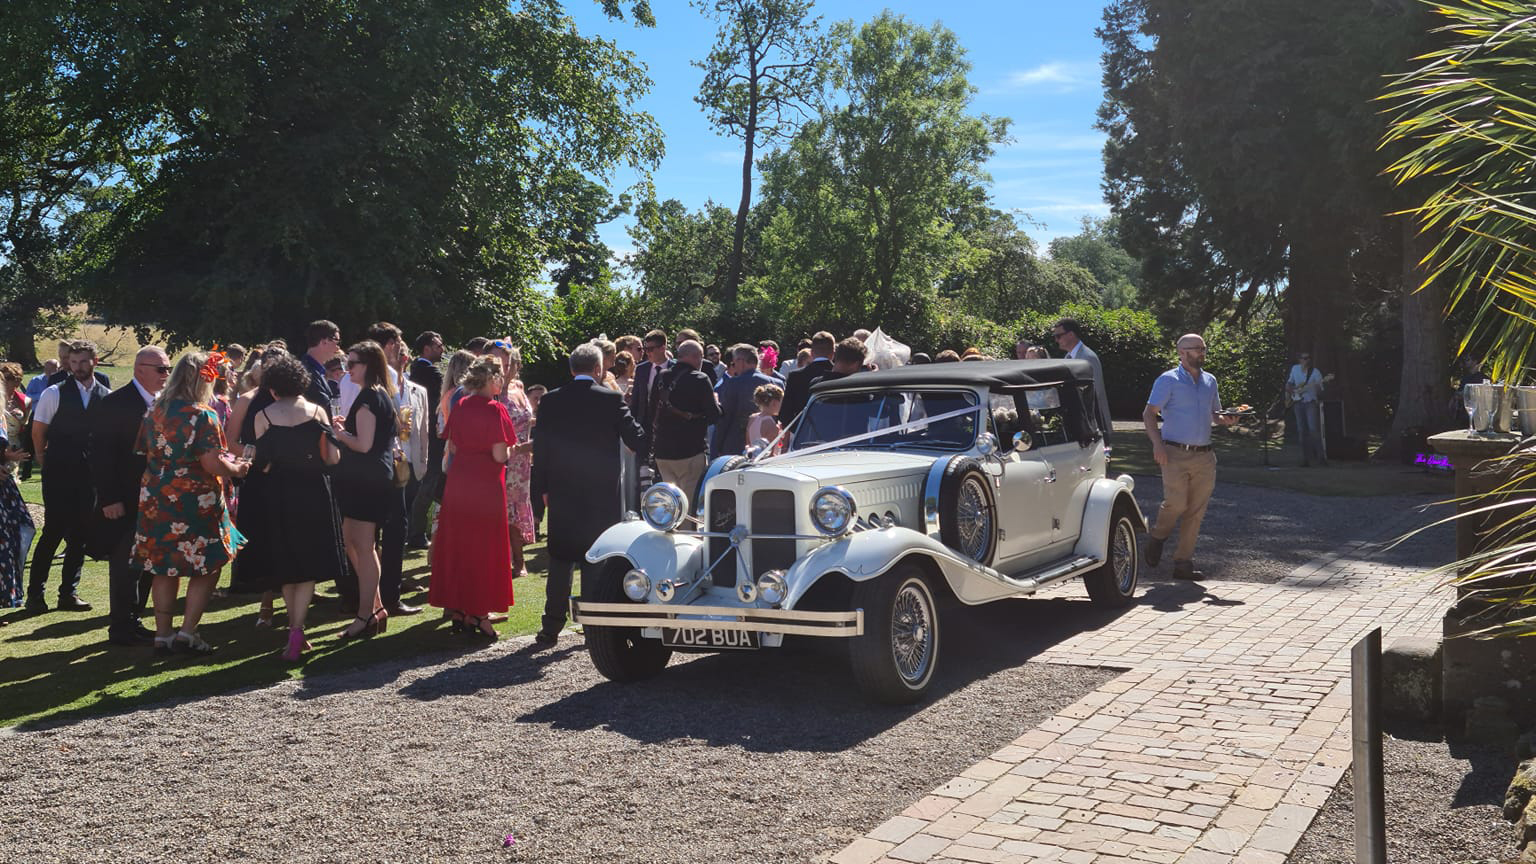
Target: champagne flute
1469 400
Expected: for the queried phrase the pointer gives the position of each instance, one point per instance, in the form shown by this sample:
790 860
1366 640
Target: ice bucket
1490 408
1525 403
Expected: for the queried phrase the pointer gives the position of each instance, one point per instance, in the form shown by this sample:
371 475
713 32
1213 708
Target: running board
1033 580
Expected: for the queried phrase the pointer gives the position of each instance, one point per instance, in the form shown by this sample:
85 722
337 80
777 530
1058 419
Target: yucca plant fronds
1464 124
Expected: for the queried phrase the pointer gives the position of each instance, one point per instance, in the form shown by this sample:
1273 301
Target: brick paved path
1220 743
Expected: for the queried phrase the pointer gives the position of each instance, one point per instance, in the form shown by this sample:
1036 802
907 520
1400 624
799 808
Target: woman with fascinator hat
184 527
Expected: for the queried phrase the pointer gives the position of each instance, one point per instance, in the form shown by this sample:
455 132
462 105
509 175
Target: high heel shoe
372 625
296 645
456 622
479 628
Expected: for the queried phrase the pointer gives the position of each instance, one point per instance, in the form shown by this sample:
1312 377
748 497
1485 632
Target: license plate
708 638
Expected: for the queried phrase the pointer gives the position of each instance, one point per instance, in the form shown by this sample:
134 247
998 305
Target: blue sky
1034 61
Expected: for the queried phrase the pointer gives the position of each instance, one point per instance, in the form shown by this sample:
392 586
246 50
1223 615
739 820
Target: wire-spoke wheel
895 659
1114 583
968 512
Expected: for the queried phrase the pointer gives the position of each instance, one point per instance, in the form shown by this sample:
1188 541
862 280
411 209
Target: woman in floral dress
15 521
520 464
184 527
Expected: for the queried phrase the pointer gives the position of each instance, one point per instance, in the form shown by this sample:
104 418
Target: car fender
864 555
659 553
1103 497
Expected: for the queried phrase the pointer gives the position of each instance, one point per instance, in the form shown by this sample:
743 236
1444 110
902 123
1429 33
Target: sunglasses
1057 334
163 370
351 363
502 344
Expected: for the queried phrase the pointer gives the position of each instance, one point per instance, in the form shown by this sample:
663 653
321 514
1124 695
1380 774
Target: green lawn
59 665
1240 459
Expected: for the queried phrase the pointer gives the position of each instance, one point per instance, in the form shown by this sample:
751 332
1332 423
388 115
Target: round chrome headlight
772 587
636 585
663 506
986 443
833 510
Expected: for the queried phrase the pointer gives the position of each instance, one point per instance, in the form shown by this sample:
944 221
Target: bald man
685 408
116 473
1186 398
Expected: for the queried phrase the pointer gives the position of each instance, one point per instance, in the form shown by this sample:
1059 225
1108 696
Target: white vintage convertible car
893 494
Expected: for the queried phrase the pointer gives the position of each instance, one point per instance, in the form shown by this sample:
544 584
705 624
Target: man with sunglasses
116 473
1068 335
322 341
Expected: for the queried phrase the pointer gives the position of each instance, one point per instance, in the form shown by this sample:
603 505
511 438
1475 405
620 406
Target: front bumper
792 622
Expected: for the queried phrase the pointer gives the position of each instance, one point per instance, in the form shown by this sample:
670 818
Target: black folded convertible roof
984 373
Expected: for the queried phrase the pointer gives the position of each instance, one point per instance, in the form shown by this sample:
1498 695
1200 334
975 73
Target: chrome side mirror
1022 441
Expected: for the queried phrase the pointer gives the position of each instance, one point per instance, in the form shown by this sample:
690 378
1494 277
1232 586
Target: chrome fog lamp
663 506
772 587
636 585
666 589
986 443
746 591
833 510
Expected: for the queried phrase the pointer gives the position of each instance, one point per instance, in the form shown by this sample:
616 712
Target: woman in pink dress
471 555
520 465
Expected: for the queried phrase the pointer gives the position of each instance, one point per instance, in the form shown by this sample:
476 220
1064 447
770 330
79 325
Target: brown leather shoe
73 603
1186 570
1154 550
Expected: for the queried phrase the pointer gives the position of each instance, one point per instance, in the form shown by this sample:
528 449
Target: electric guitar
1293 394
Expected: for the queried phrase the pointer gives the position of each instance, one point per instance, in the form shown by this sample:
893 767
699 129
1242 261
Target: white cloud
1057 76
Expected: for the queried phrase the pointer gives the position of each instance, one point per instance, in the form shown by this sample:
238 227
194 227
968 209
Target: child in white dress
763 424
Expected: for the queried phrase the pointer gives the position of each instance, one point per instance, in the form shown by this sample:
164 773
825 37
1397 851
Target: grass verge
58 665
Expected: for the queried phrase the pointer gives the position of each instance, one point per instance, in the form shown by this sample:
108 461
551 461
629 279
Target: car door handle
1049 478
1084 469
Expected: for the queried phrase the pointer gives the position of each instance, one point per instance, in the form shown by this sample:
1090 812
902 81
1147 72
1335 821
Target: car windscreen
835 416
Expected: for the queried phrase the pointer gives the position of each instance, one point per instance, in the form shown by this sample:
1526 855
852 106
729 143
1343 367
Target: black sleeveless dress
365 481
295 517
248 574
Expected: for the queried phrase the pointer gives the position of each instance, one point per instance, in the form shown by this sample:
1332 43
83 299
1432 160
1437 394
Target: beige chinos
1189 478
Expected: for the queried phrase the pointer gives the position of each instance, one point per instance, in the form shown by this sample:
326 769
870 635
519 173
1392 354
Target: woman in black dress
365 477
248 573
296 516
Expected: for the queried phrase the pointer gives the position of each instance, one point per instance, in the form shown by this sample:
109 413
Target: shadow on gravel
738 699
1492 769
505 670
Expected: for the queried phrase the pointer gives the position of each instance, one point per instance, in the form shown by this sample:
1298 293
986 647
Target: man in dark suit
736 405
647 376
117 473
60 437
323 342
797 388
576 472
424 371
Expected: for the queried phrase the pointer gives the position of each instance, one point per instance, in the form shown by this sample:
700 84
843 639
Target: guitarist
1303 390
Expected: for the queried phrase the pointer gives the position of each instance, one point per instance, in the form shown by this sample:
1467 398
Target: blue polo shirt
1186 405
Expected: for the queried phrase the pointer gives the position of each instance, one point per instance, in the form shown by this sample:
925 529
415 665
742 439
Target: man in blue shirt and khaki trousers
1187 399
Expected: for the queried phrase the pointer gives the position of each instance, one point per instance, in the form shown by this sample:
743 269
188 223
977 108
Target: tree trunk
739 237
21 347
1423 390
1316 303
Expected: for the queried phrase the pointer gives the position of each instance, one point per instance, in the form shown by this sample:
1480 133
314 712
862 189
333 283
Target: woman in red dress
472 550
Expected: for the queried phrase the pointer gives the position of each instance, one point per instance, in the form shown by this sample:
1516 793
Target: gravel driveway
767 757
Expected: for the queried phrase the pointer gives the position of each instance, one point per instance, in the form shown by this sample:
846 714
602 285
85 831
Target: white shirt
349 390
1072 355
149 398
1305 385
48 403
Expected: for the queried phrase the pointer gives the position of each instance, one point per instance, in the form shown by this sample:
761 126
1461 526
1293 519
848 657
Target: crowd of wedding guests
301 466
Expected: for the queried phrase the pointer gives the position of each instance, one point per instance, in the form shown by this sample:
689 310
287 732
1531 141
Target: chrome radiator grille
722 518
773 512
